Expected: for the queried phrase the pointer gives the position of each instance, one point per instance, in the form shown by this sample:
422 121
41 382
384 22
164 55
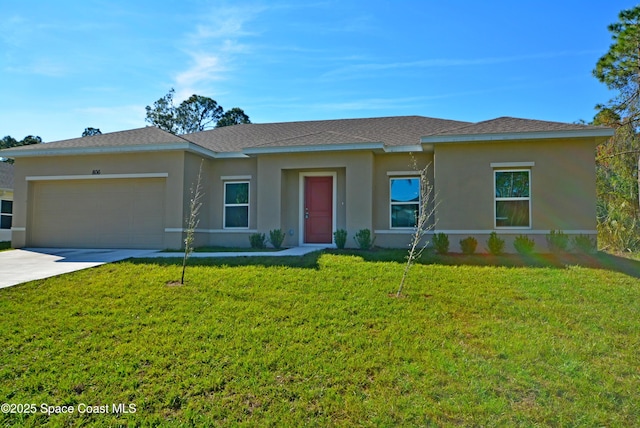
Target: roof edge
309 149
506 136
64 151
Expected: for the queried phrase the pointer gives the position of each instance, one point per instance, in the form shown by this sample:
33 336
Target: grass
317 340
5 245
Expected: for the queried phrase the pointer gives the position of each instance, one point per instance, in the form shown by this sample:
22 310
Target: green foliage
88 132
583 244
197 113
557 241
234 116
441 243
316 341
8 141
495 244
364 240
276 237
618 159
468 245
257 240
524 245
340 237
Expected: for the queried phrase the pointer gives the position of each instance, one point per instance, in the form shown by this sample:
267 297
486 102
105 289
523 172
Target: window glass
6 207
405 201
5 222
236 205
512 198
512 213
237 193
512 184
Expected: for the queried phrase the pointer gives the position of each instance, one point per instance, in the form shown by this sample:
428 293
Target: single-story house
6 201
131 189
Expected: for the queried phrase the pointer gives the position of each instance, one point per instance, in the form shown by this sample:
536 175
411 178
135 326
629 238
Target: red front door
318 210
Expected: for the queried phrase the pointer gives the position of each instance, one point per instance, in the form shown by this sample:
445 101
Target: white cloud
212 49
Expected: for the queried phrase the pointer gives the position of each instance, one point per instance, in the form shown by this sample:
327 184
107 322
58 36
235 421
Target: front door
318 210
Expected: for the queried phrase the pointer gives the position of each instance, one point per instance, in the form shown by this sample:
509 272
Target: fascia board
65 151
404 149
312 149
587 133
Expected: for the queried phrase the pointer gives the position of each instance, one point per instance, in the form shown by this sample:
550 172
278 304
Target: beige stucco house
130 189
6 201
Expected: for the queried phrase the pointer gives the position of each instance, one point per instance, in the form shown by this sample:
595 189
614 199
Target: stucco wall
279 189
171 163
563 192
394 164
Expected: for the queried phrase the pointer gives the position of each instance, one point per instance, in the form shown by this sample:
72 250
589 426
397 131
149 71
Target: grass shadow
600 260
308 261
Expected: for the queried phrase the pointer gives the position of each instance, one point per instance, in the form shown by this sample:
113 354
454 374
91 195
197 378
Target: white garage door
104 213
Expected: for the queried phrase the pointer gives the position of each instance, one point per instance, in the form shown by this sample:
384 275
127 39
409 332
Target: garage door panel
110 213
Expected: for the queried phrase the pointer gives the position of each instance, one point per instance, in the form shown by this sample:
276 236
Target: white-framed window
512 194
236 205
404 203
6 214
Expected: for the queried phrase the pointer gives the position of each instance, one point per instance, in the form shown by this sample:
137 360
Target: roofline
42 150
318 148
464 138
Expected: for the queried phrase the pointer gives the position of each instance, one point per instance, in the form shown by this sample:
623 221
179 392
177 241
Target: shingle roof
507 125
6 175
389 131
392 131
131 137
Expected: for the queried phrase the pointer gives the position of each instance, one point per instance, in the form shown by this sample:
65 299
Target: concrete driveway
18 266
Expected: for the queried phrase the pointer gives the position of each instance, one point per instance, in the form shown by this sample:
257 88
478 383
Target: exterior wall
384 165
563 194
218 171
171 163
278 190
6 195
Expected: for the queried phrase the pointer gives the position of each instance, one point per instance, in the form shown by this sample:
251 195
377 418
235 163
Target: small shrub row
259 240
557 241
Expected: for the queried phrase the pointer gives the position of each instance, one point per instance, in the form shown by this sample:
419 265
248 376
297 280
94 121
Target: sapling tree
195 202
423 223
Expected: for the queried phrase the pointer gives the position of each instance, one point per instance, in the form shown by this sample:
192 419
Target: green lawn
318 341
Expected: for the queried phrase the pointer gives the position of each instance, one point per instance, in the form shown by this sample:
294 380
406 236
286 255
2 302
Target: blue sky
67 65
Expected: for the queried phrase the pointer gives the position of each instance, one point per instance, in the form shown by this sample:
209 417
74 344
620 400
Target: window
405 201
513 198
236 205
6 213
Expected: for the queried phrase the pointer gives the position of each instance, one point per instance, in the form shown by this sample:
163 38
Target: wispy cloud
213 48
356 70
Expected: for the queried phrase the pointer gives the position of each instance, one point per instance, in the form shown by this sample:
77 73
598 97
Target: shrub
524 245
583 244
257 240
276 237
340 236
557 241
441 243
495 244
363 239
468 245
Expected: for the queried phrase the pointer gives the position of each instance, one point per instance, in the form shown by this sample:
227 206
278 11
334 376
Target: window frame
7 214
391 203
496 199
225 205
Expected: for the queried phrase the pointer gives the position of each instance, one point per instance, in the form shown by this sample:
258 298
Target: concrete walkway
29 264
18 266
